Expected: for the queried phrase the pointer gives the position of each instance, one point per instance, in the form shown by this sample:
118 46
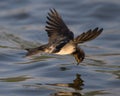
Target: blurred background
22 25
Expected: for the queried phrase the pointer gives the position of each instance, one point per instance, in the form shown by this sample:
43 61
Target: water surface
22 26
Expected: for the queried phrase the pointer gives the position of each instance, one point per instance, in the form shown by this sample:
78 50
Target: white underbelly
66 50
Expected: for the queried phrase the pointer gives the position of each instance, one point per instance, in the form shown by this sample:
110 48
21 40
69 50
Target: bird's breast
67 49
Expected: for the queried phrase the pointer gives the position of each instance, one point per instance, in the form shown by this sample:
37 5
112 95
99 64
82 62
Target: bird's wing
56 28
89 35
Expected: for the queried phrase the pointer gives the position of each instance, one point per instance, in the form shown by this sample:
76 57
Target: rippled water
22 26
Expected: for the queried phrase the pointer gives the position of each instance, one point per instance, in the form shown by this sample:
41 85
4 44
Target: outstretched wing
89 35
56 28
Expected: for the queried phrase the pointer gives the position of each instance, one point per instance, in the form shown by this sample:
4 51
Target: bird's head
79 55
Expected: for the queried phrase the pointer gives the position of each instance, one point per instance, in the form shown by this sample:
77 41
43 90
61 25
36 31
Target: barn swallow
61 39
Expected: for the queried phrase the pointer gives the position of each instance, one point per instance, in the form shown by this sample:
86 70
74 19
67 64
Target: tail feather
31 51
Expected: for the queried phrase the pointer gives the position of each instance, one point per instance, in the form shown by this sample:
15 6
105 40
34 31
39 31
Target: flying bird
61 39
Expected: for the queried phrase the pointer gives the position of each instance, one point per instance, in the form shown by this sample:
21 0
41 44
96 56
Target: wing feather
56 28
89 35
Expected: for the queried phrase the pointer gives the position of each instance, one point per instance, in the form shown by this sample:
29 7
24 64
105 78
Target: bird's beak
79 55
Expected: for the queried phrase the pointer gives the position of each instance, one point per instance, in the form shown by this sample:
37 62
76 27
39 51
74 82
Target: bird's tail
31 51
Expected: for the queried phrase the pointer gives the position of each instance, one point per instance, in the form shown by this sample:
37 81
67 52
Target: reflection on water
63 89
66 94
77 85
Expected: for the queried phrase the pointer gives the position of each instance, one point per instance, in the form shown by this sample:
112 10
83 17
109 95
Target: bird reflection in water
77 85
